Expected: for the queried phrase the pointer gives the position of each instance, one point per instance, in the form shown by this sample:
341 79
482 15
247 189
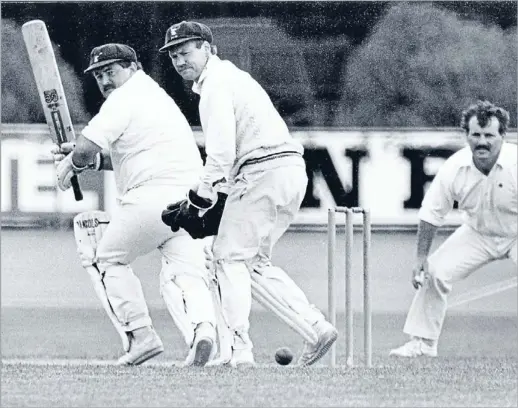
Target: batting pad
89 228
174 299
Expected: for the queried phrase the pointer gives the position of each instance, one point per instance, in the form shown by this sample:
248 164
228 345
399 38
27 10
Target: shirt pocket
505 196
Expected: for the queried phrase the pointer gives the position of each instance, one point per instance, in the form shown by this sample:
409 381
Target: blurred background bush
368 64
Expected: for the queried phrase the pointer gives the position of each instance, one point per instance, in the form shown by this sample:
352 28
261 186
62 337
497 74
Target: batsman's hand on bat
60 152
65 169
63 164
419 274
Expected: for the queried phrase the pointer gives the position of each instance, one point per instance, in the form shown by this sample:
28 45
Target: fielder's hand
419 274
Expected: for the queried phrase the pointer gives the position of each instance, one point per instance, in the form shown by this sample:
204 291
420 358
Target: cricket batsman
141 135
482 178
252 185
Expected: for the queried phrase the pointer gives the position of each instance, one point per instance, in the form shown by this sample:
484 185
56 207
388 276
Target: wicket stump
367 314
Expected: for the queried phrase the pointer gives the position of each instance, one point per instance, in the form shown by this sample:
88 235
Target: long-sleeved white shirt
239 122
489 203
149 139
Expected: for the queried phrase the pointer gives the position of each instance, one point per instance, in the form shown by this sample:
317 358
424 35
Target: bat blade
50 87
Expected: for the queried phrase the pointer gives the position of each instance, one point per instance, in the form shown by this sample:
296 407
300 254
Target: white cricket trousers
261 204
136 229
463 252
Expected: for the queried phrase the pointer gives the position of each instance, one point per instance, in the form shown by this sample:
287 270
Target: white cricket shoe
204 346
327 335
242 358
242 355
142 350
415 348
218 362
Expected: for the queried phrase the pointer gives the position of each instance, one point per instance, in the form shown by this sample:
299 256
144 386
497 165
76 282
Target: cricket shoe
415 348
327 335
218 362
242 358
242 355
142 350
204 346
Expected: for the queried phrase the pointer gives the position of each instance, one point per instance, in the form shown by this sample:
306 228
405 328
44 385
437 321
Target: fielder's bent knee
438 278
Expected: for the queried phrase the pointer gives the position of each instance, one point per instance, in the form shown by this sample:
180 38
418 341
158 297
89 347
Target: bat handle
78 194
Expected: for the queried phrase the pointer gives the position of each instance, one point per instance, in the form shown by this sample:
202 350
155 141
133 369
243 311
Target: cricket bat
50 87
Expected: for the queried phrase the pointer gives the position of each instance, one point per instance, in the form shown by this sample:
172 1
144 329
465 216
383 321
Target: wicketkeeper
254 179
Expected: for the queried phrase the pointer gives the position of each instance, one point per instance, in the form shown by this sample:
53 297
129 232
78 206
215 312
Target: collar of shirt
504 160
136 79
507 156
212 61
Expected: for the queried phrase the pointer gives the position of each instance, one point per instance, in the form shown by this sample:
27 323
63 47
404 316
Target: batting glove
65 171
60 152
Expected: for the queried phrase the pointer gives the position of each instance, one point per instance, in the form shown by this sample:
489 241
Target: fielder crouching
141 135
482 179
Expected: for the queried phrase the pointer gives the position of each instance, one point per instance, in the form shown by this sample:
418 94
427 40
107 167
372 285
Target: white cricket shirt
239 122
149 139
489 203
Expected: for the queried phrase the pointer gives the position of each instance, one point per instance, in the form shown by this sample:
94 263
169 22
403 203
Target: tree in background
422 65
20 100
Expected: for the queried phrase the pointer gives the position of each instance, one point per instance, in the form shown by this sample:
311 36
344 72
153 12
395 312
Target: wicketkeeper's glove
185 214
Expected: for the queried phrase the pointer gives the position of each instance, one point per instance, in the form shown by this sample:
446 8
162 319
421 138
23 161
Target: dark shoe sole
203 352
327 345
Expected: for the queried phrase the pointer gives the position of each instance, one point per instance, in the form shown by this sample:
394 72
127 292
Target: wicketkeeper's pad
269 298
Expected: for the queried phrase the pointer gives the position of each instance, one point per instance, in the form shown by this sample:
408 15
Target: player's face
188 60
112 76
485 142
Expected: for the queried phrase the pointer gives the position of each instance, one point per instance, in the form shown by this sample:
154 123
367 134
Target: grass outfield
41 267
450 382
58 347
64 358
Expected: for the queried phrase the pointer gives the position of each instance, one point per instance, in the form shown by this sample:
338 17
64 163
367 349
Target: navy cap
109 53
186 31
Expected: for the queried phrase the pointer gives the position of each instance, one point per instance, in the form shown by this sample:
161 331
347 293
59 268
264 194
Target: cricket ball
283 356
